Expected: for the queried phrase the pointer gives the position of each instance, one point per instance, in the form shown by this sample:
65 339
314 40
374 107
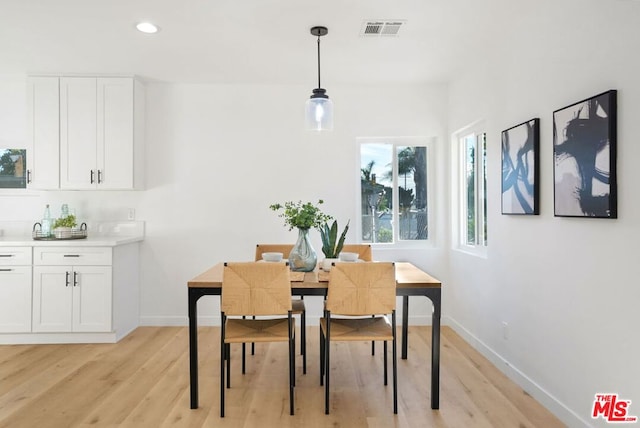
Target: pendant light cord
319 62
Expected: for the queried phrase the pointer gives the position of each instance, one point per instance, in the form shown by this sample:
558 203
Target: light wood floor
143 381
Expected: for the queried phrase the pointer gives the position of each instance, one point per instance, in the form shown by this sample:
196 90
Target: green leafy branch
302 216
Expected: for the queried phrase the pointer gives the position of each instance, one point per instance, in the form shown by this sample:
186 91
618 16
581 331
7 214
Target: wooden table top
407 276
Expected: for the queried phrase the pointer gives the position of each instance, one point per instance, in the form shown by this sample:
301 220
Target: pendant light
319 108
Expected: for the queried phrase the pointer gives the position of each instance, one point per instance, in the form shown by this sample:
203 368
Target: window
13 169
393 190
473 185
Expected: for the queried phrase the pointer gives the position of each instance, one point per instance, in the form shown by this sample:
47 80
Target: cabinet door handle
91 176
99 176
6 255
71 255
75 278
6 270
28 176
66 279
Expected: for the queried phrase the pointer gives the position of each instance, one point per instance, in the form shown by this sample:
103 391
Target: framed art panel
520 168
584 155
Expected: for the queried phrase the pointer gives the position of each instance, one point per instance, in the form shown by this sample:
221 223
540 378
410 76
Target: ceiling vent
381 28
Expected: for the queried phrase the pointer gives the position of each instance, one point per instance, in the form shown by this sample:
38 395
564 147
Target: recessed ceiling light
147 27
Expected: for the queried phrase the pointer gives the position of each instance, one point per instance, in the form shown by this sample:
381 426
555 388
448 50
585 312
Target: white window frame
459 190
429 143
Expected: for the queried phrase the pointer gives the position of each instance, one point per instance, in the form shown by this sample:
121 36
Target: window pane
376 178
470 182
412 192
483 142
13 168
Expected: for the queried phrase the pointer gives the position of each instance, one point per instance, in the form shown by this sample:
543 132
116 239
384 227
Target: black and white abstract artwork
584 148
520 168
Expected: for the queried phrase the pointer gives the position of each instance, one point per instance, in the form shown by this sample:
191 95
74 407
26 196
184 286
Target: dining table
410 281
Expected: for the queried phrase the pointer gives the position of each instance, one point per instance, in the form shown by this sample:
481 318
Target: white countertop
100 234
90 241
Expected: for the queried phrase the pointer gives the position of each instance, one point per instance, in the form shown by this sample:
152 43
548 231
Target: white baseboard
555 406
49 338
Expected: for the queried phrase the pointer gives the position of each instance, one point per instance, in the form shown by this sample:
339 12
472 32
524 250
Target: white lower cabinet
53 293
15 289
15 299
73 297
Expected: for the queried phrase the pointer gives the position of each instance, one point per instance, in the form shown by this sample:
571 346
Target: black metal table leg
405 325
435 352
193 346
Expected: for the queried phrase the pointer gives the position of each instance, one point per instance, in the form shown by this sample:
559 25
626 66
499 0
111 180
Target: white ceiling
245 41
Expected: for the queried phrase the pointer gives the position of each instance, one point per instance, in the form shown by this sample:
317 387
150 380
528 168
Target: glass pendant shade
319 114
319 108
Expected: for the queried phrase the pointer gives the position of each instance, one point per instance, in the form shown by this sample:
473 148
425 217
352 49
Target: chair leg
385 362
321 357
373 344
253 345
327 370
303 340
222 362
395 365
243 357
292 374
228 351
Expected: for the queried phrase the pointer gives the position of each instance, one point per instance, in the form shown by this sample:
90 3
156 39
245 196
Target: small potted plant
331 245
63 225
302 257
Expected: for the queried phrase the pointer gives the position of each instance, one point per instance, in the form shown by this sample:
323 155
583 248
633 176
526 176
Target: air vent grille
381 28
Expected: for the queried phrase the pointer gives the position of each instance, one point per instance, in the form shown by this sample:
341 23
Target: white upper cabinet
86 133
43 143
99 148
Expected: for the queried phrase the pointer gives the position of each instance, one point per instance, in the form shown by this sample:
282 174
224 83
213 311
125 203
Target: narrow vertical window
473 221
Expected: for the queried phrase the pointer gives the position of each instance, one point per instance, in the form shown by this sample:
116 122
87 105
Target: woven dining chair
255 289
364 254
366 294
363 250
297 304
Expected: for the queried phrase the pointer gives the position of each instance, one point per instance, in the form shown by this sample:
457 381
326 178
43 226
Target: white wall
567 287
218 156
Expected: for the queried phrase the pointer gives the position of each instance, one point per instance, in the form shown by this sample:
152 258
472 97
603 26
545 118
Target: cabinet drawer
76 256
15 256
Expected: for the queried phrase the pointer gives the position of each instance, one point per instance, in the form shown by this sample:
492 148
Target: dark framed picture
521 169
584 158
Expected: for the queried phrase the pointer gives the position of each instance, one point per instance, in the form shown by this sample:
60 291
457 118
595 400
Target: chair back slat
253 288
363 250
367 288
285 249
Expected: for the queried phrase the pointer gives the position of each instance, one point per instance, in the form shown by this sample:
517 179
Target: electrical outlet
131 215
505 330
